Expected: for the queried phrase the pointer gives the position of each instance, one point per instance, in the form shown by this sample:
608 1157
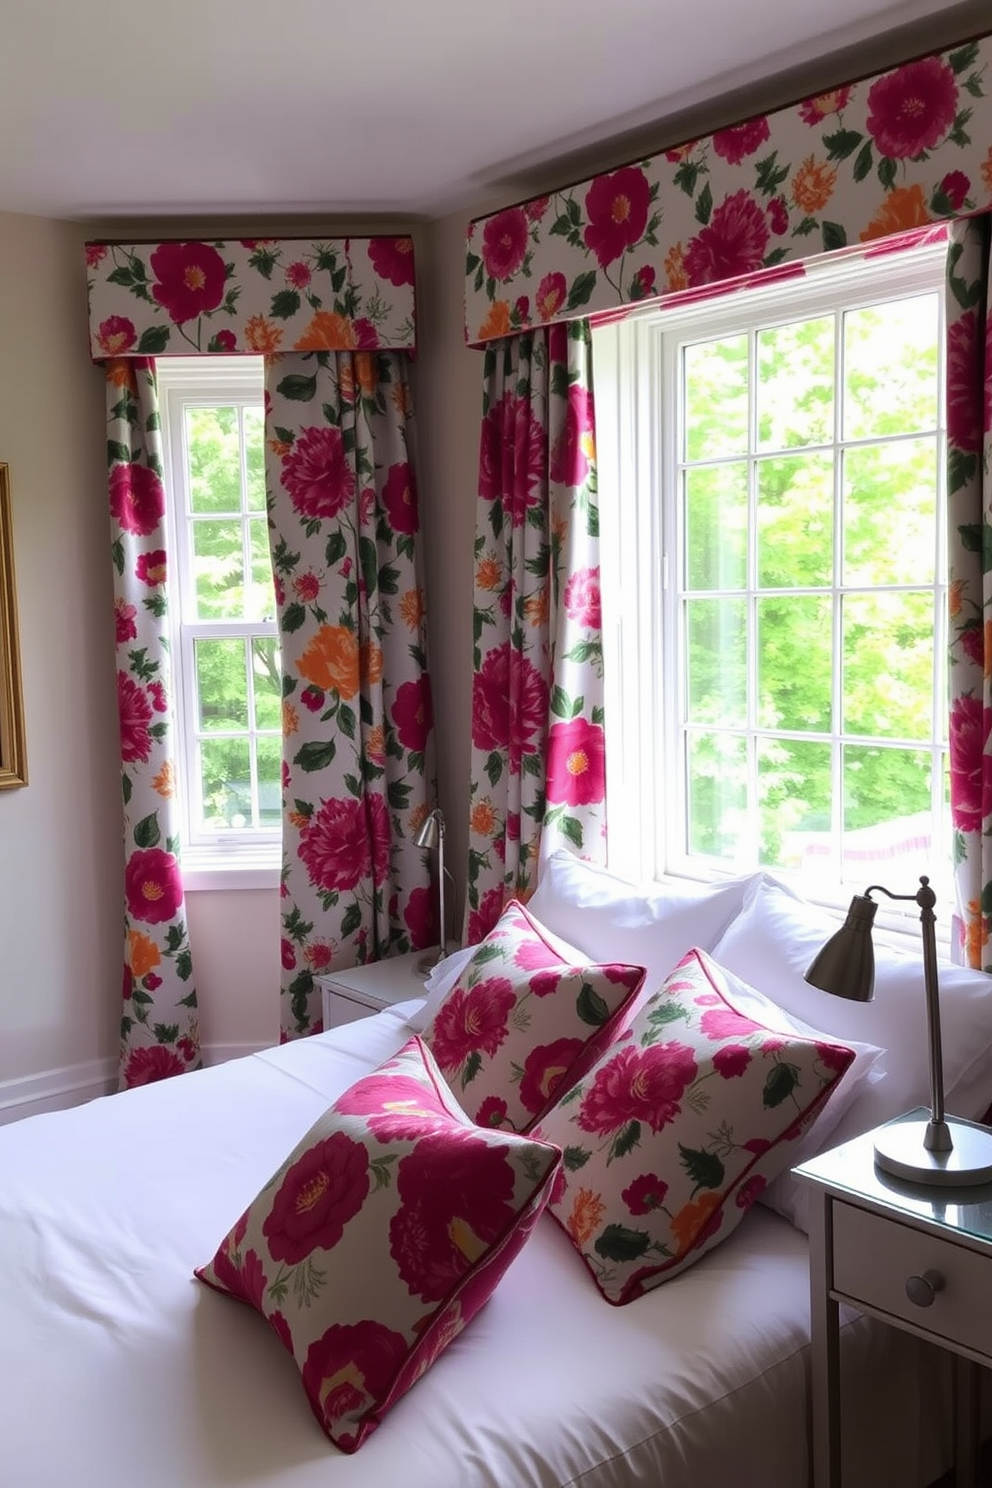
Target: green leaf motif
473 1064
617 1243
704 205
581 290
590 1007
293 617
571 827
153 340
346 721
781 1080
842 143
165 1033
964 58
494 767
834 236
561 705
575 1158
351 920
628 1139
316 755
285 304
146 831
117 451
704 1168
297 388
369 560
887 172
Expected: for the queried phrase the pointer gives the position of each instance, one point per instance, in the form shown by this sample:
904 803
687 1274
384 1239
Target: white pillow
772 942
651 925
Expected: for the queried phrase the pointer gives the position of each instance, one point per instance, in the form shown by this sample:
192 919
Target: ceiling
412 107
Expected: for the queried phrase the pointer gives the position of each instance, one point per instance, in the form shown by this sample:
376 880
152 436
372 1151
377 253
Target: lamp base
427 963
899 1150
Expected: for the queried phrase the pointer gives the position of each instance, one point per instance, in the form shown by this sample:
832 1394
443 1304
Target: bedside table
918 1258
364 990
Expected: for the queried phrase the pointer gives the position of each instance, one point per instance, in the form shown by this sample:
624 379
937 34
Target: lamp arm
938 1136
443 948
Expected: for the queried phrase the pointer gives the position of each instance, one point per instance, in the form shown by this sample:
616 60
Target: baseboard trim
72 1085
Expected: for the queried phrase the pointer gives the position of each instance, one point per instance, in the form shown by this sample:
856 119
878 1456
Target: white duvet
119 1370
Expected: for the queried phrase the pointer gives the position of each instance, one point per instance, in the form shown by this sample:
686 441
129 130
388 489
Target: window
222 609
774 579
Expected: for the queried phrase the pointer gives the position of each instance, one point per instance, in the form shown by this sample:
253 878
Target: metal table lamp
930 1150
431 835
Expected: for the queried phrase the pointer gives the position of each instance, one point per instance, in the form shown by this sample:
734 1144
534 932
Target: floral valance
866 160
251 295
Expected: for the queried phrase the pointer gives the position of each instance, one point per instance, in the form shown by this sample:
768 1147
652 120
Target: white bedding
119 1370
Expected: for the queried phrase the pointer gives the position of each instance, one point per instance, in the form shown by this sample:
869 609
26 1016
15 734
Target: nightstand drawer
874 1258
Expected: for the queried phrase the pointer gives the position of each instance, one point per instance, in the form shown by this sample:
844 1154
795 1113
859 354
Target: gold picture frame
13 761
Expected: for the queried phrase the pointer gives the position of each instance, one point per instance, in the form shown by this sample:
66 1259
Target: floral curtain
357 713
969 495
538 756
159 1029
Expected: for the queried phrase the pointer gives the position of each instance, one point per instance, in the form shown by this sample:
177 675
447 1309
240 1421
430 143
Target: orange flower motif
375 744
975 934
280 447
261 335
586 1216
330 661
674 266
417 818
813 185
121 374
985 170
143 955
290 719
688 1223
537 607
402 400
327 332
299 820
370 661
488 574
954 598
413 607
497 322
366 373
163 783
903 208
483 819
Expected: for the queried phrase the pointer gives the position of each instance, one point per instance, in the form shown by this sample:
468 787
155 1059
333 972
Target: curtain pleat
357 711
159 1025
538 758
969 494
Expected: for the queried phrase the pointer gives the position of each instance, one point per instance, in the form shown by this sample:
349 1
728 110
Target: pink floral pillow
672 1136
381 1236
522 1022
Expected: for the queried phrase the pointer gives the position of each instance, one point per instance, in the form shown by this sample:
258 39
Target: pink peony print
504 674
316 473
420 918
576 763
912 109
723 1022
778 216
135 715
582 598
456 1200
733 242
345 842
638 1085
512 457
533 954
115 335
971 789
482 919
399 497
504 243
835 1056
643 284
551 295
750 1190
956 186
964 401
298 274
735 144
545 1070
95 254
189 279
471 1021
645 1193
137 498
397 1108
152 1062
153 888
347 1371
319 1193
814 110
413 713
151 568
569 463
732 1060
617 208
124 618
392 259
492 1112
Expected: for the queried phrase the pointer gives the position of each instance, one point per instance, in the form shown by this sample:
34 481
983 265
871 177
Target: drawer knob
921 1290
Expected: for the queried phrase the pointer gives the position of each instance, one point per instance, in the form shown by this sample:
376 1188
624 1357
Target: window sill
203 872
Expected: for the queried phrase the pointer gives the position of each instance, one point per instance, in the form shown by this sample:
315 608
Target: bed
118 1367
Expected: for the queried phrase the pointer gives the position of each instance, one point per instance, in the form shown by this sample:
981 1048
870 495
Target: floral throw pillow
677 1129
380 1237
522 1022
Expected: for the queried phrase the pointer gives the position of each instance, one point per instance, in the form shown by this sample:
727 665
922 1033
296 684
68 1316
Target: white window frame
220 860
636 367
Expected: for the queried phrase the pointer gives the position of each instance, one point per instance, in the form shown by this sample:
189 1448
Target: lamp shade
430 833
845 966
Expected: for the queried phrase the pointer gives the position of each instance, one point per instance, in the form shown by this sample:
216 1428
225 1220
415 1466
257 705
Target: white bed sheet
119 1370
